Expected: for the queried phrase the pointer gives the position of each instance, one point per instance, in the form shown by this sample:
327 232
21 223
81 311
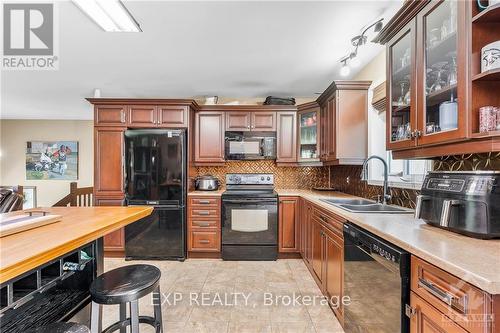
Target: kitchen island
45 272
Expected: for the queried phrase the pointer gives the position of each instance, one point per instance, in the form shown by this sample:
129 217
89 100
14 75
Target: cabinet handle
457 303
204 202
204 241
322 218
122 117
248 126
204 212
200 224
409 311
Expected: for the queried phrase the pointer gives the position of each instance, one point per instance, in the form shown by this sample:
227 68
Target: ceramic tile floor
247 292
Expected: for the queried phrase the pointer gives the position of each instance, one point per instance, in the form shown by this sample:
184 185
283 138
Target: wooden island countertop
29 249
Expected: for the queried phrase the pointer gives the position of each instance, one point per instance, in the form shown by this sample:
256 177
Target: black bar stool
61 328
124 285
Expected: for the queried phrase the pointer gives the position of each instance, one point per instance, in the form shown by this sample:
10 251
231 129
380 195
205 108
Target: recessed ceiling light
110 15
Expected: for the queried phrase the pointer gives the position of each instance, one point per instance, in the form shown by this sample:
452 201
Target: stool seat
125 284
61 328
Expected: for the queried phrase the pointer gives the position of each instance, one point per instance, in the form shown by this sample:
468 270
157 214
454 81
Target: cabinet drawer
459 300
204 224
204 212
205 202
204 241
333 221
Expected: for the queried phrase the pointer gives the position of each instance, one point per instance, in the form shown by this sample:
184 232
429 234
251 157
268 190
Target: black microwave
250 145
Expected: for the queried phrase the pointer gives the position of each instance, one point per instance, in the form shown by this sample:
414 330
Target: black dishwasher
377 281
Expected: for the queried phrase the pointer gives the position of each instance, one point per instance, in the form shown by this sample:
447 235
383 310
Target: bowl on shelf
490 56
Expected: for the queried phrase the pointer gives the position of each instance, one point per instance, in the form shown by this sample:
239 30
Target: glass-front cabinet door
440 65
401 106
309 135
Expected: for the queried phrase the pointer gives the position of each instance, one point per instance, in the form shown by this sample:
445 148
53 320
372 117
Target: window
402 173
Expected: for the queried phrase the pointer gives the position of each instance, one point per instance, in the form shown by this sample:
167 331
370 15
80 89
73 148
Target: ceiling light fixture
358 41
110 15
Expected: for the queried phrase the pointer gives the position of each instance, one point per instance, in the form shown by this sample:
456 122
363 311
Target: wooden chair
77 197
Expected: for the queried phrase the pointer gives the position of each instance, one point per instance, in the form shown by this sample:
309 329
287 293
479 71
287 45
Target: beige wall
13 137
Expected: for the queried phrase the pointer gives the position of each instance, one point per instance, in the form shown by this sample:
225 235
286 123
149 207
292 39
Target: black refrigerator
155 175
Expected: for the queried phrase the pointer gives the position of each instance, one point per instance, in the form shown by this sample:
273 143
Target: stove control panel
250 179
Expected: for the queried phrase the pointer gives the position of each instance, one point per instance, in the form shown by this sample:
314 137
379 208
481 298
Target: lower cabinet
114 243
317 249
442 302
288 239
323 251
426 319
203 224
333 280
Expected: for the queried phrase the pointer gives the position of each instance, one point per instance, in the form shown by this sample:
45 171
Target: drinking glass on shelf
401 99
430 128
434 37
452 75
487 119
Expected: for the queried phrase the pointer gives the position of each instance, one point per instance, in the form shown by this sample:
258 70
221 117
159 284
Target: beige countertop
473 260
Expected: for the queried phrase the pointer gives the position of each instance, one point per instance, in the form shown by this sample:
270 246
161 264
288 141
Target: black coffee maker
467 202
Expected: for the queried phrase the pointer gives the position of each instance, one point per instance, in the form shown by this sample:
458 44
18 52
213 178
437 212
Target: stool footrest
127 322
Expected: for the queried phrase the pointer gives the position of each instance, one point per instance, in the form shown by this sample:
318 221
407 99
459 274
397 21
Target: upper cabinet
435 87
209 137
441 65
110 115
250 121
344 116
402 108
308 133
141 113
286 140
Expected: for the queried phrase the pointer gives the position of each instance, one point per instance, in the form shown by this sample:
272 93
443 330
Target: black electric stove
249 218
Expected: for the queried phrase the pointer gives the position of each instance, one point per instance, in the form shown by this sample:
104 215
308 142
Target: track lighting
358 41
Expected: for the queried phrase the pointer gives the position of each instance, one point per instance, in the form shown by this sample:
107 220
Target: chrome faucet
364 176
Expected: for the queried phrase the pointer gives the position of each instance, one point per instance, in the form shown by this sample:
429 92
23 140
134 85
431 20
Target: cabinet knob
248 126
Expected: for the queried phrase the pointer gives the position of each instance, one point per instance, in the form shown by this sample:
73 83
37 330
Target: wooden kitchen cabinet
334 272
435 86
110 115
343 116
209 137
250 121
203 224
451 296
308 133
317 251
288 240
114 242
263 121
142 116
426 319
238 121
172 116
323 251
286 145
108 161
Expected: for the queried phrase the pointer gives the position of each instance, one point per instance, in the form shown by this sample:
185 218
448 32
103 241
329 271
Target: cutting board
22 222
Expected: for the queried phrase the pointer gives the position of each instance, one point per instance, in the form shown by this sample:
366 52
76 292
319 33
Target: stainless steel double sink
354 205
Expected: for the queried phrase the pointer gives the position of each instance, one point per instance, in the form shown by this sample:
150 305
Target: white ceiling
229 48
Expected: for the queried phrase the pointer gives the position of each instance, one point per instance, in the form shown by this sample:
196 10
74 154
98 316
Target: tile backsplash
347 178
284 177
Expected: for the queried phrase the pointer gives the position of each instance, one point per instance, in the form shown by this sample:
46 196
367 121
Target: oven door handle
263 200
